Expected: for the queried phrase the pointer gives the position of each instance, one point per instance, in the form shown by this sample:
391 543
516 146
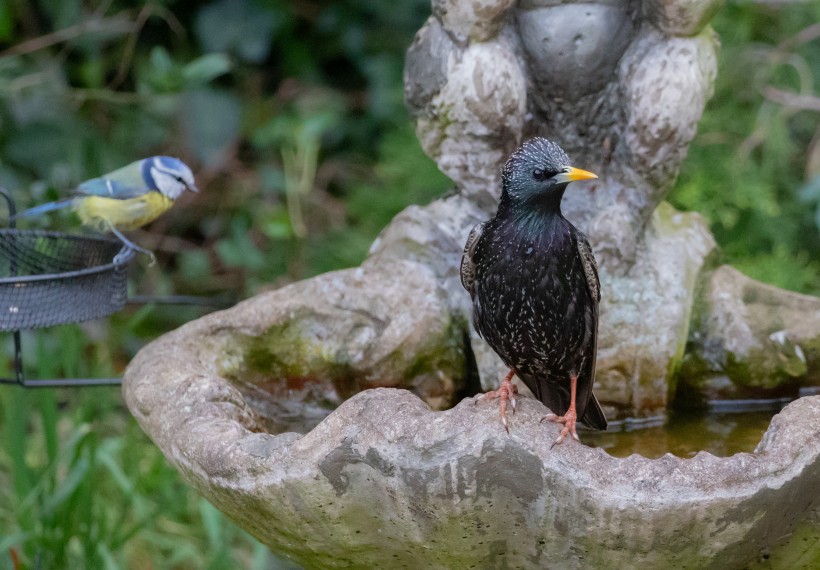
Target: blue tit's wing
123 183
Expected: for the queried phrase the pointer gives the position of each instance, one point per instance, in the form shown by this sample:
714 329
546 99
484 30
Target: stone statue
621 86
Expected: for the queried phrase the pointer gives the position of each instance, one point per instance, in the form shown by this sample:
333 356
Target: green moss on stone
297 349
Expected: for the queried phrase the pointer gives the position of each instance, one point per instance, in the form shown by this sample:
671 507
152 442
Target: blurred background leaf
751 168
241 27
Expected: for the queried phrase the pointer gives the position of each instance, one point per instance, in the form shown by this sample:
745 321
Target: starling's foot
568 420
506 391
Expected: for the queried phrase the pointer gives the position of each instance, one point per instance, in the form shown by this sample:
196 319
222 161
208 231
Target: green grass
82 487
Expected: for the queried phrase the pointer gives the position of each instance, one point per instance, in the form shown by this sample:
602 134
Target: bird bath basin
385 480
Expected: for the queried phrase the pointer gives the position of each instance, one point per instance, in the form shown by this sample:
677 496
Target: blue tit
127 198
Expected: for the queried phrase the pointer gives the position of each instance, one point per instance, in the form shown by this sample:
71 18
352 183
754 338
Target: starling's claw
568 420
505 392
564 433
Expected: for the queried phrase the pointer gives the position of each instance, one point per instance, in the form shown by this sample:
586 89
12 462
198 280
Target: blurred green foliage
284 109
291 114
754 167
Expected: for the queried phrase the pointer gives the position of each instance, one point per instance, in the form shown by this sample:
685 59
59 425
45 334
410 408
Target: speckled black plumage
534 283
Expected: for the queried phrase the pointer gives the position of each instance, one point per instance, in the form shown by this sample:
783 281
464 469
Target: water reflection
684 434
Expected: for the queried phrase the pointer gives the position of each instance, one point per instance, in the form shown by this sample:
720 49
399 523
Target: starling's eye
539 174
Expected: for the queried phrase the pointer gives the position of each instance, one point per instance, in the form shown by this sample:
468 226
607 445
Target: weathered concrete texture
383 481
799 550
434 236
472 137
750 339
680 17
645 315
472 21
561 39
662 108
385 324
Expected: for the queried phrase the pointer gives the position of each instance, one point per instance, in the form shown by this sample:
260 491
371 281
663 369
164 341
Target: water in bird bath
684 434
726 428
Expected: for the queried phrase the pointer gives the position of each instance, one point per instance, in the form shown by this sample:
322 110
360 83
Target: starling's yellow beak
572 174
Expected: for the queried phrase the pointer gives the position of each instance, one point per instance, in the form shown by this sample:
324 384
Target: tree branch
791 99
119 23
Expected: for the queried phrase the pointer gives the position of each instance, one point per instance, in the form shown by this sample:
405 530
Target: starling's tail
593 415
44 208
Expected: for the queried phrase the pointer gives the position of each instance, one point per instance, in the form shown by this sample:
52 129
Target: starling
535 290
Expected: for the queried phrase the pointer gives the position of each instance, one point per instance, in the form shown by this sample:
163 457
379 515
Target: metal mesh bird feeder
51 278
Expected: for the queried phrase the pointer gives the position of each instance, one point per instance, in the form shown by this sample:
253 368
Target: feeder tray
50 278
53 278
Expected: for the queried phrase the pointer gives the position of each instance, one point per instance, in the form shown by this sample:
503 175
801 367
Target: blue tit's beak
192 188
572 174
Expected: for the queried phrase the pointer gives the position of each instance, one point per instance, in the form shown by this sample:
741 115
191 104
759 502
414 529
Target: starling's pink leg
506 391
567 419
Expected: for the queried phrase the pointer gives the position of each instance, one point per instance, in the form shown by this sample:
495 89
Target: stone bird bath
384 481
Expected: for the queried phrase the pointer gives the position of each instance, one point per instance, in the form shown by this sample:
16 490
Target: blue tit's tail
44 209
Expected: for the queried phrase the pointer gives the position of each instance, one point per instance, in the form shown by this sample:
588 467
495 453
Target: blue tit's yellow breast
100 213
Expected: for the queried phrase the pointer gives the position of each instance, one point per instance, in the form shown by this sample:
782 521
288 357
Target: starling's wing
590 269
589 410
122 184
467 264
